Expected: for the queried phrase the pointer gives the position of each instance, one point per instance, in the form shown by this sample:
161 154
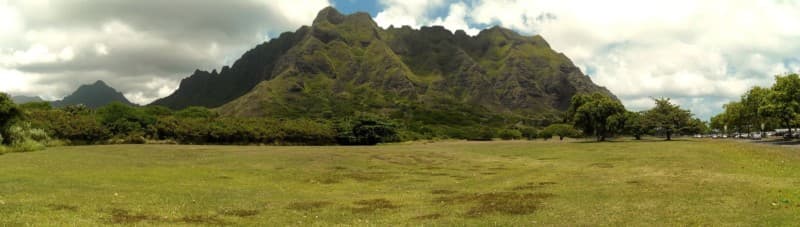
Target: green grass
448 183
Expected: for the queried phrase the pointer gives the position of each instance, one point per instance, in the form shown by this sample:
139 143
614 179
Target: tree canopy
591 114
8 113
667 117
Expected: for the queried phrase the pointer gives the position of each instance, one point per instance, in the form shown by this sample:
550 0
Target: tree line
602 117
763 109
32 126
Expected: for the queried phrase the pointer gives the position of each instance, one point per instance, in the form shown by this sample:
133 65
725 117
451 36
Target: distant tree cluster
600 116
761 109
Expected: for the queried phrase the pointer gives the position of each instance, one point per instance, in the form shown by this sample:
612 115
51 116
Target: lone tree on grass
667 117
591 114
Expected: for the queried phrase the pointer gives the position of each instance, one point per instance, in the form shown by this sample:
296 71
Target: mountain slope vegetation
346 64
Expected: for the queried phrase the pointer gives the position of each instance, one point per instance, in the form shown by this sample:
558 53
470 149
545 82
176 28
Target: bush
366 131
480 134
529 133
195 112
27 145
510 134
546 135
23 138
560 130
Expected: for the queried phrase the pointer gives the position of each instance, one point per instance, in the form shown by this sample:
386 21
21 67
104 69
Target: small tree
560 130
667 117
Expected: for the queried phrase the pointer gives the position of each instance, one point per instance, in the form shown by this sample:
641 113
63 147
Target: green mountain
344 64
93 96
21 99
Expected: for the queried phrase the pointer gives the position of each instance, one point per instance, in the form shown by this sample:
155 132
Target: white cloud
414 13
456 19
48 48
699 52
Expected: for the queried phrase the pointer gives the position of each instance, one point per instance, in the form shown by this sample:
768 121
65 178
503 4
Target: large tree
591 114
784 100
667 117
8 113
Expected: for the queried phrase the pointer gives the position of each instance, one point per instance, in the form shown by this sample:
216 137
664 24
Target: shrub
27 145
480 134
560 130
366 131
23 138
195 112
510 134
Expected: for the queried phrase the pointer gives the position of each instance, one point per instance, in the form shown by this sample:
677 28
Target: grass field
447 183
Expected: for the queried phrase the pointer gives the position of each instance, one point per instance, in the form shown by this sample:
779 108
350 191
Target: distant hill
344 64
21 99
93 96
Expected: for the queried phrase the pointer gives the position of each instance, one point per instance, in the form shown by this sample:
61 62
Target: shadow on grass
781 142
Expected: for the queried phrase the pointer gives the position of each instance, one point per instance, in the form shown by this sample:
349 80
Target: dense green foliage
8 113
120 123
593 113
761 109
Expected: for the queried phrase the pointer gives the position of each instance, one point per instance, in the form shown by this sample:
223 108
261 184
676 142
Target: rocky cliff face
346 63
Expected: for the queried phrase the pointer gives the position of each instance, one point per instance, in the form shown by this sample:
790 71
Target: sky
700 53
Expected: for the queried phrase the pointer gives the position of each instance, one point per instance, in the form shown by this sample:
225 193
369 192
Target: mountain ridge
347 63
93 95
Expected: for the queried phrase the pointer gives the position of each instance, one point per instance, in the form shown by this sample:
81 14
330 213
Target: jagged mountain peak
346 63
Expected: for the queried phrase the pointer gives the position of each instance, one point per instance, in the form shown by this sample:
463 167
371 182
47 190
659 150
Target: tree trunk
560 138
669 135
638 137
